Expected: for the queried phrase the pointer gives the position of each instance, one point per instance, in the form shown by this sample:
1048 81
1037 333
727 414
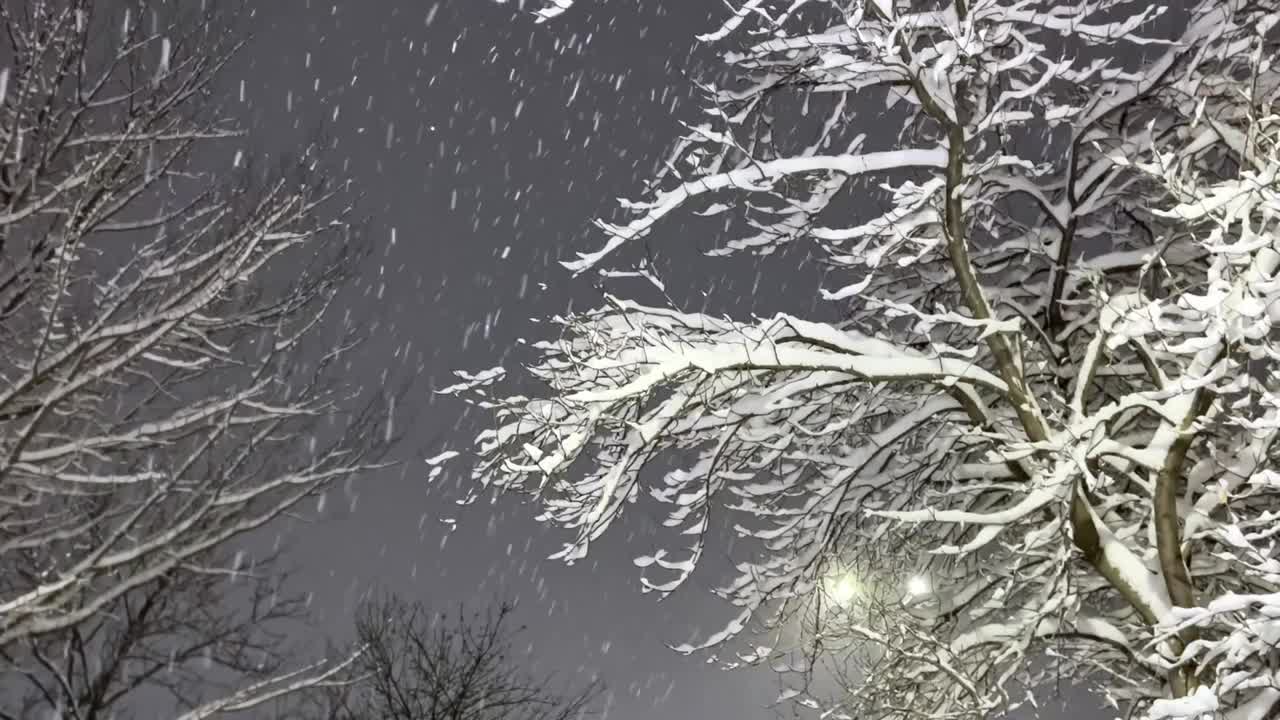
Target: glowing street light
843 589
918 586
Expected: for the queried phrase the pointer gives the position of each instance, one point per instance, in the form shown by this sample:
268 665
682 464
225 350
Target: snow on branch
756 176
1037 445
157 400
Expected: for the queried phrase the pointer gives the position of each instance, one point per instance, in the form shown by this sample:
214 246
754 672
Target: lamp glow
917 586
843 590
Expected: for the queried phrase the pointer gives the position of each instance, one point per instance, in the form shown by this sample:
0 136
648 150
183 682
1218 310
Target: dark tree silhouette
417 665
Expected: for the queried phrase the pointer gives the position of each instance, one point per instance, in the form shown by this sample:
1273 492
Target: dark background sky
469 130
483 146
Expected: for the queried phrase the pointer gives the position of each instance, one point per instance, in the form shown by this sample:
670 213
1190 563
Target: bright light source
918 585
843 589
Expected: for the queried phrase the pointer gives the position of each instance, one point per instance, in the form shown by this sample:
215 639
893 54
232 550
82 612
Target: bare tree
1041 414
418 665
184 638
171 380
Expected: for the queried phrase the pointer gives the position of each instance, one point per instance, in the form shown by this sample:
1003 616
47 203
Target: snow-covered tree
1043 429
171 380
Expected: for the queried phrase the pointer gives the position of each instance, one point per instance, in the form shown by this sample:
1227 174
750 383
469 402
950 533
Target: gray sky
469 130
486 144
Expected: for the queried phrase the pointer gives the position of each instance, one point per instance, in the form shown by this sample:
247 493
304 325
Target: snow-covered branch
1051 398
156 403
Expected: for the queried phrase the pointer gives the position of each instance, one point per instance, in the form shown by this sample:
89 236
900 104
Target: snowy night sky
483 145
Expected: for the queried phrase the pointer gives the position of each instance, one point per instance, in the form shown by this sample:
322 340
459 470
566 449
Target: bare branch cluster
158 303
418 665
